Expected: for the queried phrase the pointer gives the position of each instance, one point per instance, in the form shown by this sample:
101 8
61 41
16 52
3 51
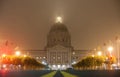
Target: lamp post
110 49
118 49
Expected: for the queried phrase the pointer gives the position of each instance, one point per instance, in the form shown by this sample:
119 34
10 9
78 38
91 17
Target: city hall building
58 52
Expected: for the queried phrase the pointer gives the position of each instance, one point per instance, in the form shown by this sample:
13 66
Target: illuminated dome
59 35
59 27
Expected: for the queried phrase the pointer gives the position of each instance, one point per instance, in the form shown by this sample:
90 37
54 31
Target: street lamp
93 55
118 49
3 55
110 49
17 53
25 55
99 53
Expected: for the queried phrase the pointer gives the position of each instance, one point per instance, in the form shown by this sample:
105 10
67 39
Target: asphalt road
78 73
95 73
28 73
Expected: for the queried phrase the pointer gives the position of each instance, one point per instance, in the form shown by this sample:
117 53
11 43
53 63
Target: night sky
90 22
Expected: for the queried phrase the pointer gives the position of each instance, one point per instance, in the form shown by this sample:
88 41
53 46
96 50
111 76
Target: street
70 73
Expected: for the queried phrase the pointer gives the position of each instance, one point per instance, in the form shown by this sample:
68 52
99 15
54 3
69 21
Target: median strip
49 74
65 74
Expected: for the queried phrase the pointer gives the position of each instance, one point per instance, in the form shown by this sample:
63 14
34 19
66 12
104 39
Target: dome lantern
59 19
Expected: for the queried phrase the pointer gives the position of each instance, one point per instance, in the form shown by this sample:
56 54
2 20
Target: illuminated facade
59 49
59 53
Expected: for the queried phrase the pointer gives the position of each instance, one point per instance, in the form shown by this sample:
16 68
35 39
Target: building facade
58 52
59 49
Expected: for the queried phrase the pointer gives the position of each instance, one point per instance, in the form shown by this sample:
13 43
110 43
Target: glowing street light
99 53
93 55
110 49
17 53
3 55
74 62
43 62
25 55
4 65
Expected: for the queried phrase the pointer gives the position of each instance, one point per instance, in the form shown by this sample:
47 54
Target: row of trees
91 62
24 62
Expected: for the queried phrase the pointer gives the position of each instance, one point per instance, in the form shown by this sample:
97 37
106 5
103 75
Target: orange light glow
25 55
4 55
17 53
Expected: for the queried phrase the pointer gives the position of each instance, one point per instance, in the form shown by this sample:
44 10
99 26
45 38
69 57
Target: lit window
54 65
53 57
37 57
59 66
58 57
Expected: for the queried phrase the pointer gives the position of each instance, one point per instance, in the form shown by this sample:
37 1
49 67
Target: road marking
65 74
49 74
